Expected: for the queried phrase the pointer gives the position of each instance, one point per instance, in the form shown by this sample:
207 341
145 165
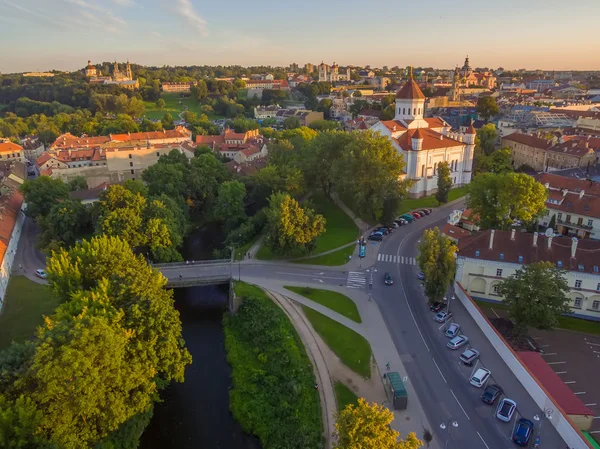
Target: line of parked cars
524 428
378 234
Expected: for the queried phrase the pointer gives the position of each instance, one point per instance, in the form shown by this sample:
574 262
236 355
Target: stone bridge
195 273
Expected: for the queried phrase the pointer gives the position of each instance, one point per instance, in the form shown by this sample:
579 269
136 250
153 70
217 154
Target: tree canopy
444 183
487 107
486 138
42 193
437 261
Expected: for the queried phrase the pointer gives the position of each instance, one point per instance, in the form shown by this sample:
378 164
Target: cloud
123 2
108 18
156 34
186 10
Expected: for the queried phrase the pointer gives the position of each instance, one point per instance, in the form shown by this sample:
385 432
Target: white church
426 142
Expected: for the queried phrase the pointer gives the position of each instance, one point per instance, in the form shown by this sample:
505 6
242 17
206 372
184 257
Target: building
177 87
546 155
309 68
39 74
541 85
122 79
263 112
486 258
90 70
10 151
88 197
32 147
426 142
305 116
574 204
267 84
333 73
240 147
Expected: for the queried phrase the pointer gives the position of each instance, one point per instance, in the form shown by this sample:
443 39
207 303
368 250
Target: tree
324 125
499 200
388 113
161 103
444 183
436 260
292 123
487 107
199 91
552 222
230 203
290 227
536 296
78 183
42 193
324 106
368 426
486 138
241 125
498 161
167 121
65 222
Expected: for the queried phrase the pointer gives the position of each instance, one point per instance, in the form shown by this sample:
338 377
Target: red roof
431 140
9 147
418 134
410 90
561 393
393 125
471 130
45 157
9 212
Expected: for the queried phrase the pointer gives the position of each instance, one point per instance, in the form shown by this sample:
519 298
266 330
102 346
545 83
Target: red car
416 215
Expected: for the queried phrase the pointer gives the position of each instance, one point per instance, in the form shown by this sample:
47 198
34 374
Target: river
195 414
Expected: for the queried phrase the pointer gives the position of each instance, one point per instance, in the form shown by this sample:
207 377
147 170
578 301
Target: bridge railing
189 263
198 280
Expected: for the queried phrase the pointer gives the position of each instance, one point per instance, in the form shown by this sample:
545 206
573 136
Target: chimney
535 236
492 239
581 194
512 233
549 242
573 247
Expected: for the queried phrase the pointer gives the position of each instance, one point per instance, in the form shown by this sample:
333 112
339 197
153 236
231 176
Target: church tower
410 101
116 73
467 165
128 73
455 85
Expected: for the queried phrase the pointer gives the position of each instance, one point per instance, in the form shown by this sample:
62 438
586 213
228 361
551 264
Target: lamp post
448 424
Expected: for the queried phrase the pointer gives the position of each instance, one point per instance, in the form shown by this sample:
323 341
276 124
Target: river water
195 414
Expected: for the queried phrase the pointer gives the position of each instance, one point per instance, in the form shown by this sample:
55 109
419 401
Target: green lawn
411 204
243 250
334 259
330 299
344 395
25 303
339 229
352 349
175 105
564 322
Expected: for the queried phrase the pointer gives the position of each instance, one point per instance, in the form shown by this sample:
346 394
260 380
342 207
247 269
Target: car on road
480 377
437 307
491 393
469 356
421 276
453 330
408 217
457 342
506 409
522 433
442 317
41 274
387 279
376 236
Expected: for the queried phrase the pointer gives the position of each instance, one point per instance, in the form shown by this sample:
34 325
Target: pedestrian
20 267
316 386
180 276
387 365
350 257
248 254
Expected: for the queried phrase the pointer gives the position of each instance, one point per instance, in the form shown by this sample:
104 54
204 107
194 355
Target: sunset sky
64 34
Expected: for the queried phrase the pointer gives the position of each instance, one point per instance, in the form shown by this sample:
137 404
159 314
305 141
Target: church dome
410 91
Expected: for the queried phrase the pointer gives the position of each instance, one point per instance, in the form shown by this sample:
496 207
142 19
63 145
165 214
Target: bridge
198 272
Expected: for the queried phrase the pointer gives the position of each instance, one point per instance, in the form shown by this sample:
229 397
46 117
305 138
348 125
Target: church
426 142
124 80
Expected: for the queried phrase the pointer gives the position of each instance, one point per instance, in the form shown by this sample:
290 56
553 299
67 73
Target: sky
39 35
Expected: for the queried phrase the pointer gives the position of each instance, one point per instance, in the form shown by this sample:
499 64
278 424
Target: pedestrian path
356 279
393 258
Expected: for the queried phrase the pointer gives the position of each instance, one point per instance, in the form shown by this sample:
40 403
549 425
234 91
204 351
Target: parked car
376 237
442 317
401 221
457 342
491 393
416 215
469 356
423 212
506 409
383 230
41 274
421 275
480 377
393 225
437 306
428 211
387 279
408 217
453 330
523 431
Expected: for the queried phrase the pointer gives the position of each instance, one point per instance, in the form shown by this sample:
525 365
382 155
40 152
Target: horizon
64 34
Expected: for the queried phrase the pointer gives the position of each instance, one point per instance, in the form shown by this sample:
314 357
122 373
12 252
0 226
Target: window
499 272
598 287
403 111
423 170
590 223
568 220
578 283
414 111
477 253
580 221
501 256
132 172
157 154
596 305
595 268
559 216
559 263
435 169
577 303
495 289
131 164
547 211
520 259
580 267
130 155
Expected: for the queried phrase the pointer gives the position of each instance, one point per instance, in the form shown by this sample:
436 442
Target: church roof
410 90
471 130
393 125
418 134
432 140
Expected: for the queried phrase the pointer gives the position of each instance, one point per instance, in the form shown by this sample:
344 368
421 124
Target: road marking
593 432
544 346
561 372
555 363
440 371
596 352
497 316
356 279
551 353
320 280
591 404
378 257
461 407
580 392
308 275
570 382
482 440
596 417
593 344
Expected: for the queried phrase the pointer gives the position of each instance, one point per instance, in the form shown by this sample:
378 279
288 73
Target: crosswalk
356 279
393 258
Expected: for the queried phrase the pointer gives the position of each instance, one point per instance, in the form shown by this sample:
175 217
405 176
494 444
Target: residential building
267 84
305 116
263 112
240 147
10 151
88 197
32 148
485 258
333 73
574 204
177 87
426 142
546 155
541 85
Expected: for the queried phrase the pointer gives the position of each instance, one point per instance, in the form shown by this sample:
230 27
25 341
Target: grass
334 259
340 229
243 250
330 299
564 322
353 349
175 104
344 395
25 304
411 204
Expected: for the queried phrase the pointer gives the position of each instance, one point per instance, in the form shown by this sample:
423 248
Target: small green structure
591 440
395 390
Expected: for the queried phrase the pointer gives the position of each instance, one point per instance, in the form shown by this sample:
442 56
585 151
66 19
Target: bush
273 395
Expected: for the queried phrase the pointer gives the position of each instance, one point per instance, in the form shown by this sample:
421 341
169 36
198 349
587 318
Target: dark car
387 278
437 307
490 394
428 211
423 212
376 236
523 432
383 230
401 221
421 275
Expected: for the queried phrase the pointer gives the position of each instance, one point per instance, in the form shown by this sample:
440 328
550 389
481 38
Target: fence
572 436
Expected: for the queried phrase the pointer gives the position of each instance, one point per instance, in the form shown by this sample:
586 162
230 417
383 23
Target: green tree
292 123
167 121
161 103
290 227
536 296
499 161
324 106
436 260
200 91
485 139
205 176
42 193
324 125
241 125
78 183
230 203
487 107
552 221
444 183
65 222
500 199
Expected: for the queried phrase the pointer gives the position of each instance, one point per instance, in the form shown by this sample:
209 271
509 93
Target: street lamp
448 424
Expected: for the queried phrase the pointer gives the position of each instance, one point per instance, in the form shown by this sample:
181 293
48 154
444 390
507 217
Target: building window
580 221
520 259
499 272
132 172
559 216
477 253
403 111
501 256
590 223
580 267
435 169
131 164
568 219
598 287
596 305
559 263
578 283
495 289
157 154
423 170
547 212
414 111
577 303
130 155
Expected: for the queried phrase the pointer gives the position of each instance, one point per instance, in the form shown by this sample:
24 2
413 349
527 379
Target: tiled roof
454 232
572 184
393 125
587 205
89 194
431 140
436 122
528 140
587 254
572 148
9 147
593 142
45 157
410 90
470 130
69 140
10 206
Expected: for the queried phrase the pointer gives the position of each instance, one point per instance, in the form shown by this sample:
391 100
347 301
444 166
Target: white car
480 377
453 330
41 274
506 409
